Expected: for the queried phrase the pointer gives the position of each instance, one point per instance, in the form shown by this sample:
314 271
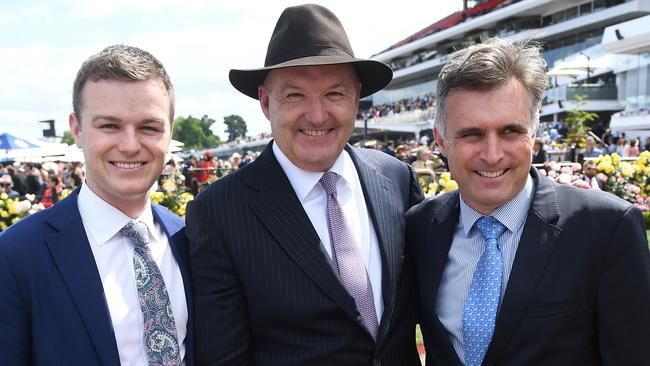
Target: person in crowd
512 268
6 186
52 191
622 147
423 166
591 175
298 258
235 161
647 144
248 158
32 179
18 180
390 148
207 166
633 151
101 277
591 150
539 153
77 175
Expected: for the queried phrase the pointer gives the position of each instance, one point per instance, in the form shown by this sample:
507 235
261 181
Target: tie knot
328 181
490 228
137 232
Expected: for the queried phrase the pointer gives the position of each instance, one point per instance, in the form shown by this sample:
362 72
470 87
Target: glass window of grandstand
585 8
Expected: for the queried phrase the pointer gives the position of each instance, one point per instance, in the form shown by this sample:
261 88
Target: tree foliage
195 133
67 138
576 121
235 127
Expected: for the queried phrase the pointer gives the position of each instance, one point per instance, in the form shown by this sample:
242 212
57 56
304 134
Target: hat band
309 52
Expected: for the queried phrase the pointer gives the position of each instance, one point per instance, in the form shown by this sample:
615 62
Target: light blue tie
482 304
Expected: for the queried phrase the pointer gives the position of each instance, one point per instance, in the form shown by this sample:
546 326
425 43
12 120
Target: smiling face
124 131
489 149
312 111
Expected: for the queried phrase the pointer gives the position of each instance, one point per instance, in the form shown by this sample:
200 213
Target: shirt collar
103 221
512 214
303 182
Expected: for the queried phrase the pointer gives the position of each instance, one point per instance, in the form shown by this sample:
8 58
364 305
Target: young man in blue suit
513 269
101 277
298 258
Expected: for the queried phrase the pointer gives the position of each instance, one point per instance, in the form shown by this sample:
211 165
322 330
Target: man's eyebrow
468 131
104 117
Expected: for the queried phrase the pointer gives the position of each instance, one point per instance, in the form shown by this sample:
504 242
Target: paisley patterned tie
159 327
347 256
482 304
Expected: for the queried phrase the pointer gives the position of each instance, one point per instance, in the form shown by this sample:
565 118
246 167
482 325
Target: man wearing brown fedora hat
298 258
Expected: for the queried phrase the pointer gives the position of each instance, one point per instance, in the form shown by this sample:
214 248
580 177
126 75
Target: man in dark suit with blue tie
298 258
512 268
101 277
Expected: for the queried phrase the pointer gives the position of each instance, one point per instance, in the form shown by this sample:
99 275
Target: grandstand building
597 48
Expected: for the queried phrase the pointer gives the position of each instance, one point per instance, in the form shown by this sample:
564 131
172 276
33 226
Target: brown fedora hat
311 35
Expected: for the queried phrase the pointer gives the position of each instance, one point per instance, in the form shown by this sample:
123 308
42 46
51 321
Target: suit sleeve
624 295
220 320
14 322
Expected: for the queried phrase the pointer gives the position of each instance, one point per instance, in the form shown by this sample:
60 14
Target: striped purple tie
159 327
347 256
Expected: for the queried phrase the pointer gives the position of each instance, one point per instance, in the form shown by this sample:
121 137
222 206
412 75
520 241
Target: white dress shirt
114 258
313 198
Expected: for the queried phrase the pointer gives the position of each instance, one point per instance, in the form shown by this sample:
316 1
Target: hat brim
373 75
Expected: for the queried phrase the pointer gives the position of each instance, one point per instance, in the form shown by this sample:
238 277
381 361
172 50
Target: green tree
67 138
576 121
195 133
235 127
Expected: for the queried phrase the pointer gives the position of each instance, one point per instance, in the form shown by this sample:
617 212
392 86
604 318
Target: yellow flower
615 158
445 176
451 185
4 196
626 169
65 193
4 214
3 226
157 197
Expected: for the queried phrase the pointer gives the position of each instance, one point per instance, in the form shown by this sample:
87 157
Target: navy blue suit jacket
265 290
52 305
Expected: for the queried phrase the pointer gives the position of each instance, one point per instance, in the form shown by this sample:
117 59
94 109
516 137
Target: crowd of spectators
44 181
422 102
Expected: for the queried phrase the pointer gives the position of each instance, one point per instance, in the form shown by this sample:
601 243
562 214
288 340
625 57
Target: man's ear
75 127
263 96
440 141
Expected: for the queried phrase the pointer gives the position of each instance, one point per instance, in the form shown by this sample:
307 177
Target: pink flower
552 174
564 178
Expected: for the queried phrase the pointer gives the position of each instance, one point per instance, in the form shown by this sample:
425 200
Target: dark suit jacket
265 289
579 290
540 158
52 305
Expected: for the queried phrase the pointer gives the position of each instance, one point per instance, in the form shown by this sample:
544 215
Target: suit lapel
73 257
279 209
386 222
433 259
535 247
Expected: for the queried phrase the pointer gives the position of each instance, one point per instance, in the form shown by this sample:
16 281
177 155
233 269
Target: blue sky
43 43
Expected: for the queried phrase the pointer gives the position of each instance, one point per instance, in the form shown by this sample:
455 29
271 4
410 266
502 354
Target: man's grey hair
491 64
120 62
